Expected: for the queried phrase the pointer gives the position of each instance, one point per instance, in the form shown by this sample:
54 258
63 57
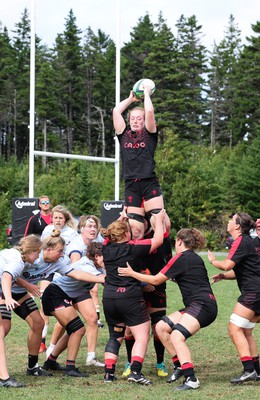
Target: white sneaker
189 384
94 362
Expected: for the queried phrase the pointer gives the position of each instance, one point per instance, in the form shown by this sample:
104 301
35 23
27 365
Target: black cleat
108 378
138 378
38 371
244 377
52 366
10 382
188 384
177 374
75 373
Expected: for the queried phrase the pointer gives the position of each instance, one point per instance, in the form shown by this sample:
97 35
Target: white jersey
77 245
11 262
72 287
67 233
40 270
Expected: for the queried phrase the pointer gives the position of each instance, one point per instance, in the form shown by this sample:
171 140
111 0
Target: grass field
214 356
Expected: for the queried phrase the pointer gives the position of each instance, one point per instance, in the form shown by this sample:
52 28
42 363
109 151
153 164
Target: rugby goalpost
32 151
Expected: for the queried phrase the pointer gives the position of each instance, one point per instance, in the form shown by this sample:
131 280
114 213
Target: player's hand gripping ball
138 87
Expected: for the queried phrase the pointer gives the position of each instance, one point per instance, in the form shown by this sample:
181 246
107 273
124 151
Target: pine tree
67 65
190 103
160 67
223 86
246 113
99 73
7 93
134 54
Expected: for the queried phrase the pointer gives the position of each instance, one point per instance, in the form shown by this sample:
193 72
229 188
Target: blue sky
51 14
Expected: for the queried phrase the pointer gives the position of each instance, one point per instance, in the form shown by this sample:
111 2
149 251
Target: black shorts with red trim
139 190
250 300
205 311
155 299
132 311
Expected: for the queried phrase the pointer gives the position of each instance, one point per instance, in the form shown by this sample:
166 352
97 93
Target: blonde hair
28 244
69 221
192 238
53 240
116 231
83 221
44 197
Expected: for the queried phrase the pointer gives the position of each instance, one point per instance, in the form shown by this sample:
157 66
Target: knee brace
241 321
74 326
115 333
157 316
183 330
6 314
136 217
155 211
26 308
168 322
177 327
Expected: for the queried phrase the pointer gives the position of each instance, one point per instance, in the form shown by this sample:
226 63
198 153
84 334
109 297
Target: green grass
214 356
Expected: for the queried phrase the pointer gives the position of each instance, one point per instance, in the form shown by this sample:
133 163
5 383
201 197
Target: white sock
91 355
45 331
49 350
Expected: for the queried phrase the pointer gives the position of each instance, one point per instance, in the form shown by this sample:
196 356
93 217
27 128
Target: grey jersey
11 262
72 287
67 233
77 245
39 270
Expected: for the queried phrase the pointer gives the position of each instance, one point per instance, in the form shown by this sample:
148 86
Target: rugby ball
138 87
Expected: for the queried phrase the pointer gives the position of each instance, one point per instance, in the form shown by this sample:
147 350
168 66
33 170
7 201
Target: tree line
206 105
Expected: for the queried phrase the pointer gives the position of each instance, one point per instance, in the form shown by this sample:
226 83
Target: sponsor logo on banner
20 204
109 206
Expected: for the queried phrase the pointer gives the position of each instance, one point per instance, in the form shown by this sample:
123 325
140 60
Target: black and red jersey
137 152
158 258
37 223
188 270
116 255
256 242
247 268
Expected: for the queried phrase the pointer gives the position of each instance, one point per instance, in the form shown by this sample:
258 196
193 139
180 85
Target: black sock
247 364
136 366
129 343
188 371
32 361
70 365
159 349
256 364
176 362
